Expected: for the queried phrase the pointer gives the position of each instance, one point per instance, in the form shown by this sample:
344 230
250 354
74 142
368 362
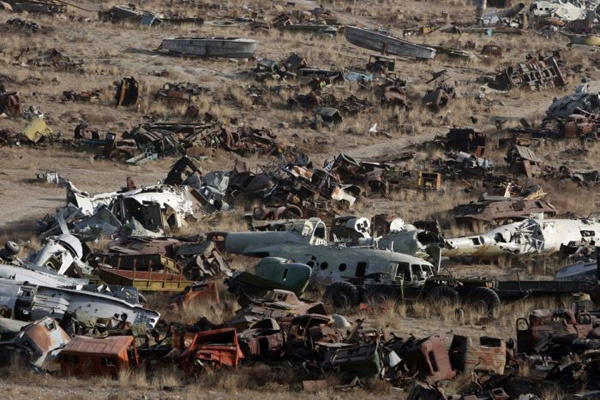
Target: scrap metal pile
50 295
348 206
129 13
290 187
273 325
149 141
537 73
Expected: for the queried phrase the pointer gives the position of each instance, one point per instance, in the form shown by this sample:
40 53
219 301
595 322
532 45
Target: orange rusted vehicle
199 293
210 350
85 356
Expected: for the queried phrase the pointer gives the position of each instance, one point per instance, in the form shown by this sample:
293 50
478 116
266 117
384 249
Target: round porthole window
342 267
324 265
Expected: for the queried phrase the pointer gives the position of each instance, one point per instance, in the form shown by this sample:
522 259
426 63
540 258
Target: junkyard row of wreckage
73 311
68 310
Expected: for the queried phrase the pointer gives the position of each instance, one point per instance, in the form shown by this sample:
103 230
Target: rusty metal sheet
46 335
491 50
263 343
545 326
498 211
201 293
85 356
536 73
213 349
489 356
277 304
359 359
430 357
145 280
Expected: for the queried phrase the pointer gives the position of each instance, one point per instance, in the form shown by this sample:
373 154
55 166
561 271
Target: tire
379 294
485 298
12 248
443 296
342 295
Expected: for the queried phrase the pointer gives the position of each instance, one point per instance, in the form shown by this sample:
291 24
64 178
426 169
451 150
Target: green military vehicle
414 284
271 273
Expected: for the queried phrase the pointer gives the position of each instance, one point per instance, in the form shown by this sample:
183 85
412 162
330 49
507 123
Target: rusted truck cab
85 356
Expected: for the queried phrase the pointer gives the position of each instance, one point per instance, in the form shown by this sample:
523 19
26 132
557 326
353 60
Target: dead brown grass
111 51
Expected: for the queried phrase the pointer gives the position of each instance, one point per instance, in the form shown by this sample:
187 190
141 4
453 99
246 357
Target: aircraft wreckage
145 211
352 252
532 236
30 291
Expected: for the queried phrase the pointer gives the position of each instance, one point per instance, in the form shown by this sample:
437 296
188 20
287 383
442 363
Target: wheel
379 294
342 295
486 299
443 296
12 248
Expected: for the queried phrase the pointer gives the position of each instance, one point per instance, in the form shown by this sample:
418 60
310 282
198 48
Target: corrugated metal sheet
527 154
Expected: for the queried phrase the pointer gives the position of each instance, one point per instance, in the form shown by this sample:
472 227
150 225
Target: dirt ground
110 51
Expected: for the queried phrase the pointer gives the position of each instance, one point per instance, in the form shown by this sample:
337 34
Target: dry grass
112 51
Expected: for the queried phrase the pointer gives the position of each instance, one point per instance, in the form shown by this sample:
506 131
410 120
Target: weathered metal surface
586 101
524 161
37 275
210 47
387 44
212 349
35 302
430 357
193 257
580 271
37 131
127 92
503 210
491 50
578 125
85 356
537 73
149 281
272 273
394 96
43 337
306 333
550 326
437 98
362 360
37 7
526 237
329 263
276 304
199 293
130 13
381 64
262 342
489 356
181 92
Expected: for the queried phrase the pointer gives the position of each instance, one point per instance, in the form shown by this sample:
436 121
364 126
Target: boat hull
387 44
211 47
